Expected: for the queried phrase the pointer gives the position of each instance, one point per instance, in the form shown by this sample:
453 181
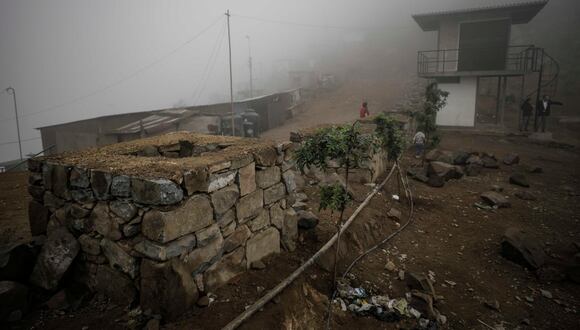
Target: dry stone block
104 223
76 211
290 230
37 218
82 195
247 179
79 178
267 176
224 270
132 228
124 210
242 161
266 157
227 218
115 285
207 235
218 181
293 181
34 165
167 288
90 245
250 205
121 186
163 252
59 179
56 255
118 258
218 167
202 257
101 184
237 239
261 221
51 201
156 192
274 193
163 227
196 181
277 214
224 199
229 229
262 244
37 192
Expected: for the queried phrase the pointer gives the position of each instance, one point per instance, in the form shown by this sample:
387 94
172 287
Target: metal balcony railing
517 59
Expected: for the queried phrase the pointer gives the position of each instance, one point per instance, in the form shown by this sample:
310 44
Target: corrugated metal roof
157 122
521 12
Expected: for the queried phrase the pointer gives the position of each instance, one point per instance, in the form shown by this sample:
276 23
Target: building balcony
504 61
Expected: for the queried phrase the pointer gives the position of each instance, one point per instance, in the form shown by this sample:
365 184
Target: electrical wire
309 25
209 65
14 142
123 79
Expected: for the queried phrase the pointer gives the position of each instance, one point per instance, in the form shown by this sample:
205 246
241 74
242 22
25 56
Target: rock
259 222
101 184
230 266
258 265
237 239
299 206
219 167
444 170
241 161
274 193
307 220
124 210
82 195
167 288
13 301
37 218
149 151
536 169
474 160
473 169
525 195
225 198
435 181
492 305
277 214
546 294
262 244
207 235
217 181
78 212
115 285
227 218
163 252
79 178
201 258
196 213
390 266
418 173
460 157
293 181
196 181
495 199
58 301
119 258
203 301
247 179
104 223
90 245
250 205
489 162
300 197
268 176
121 186
496 188
519 179
521 249
266 156
51 201
152 324
511 159
395 214
56 256
132 228
155 192
36 192
290 230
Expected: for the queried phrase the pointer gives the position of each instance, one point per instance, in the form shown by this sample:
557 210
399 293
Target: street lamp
10 90
250 64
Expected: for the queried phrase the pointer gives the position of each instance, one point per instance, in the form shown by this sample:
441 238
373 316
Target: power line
125 78
209 65
15 142
309 25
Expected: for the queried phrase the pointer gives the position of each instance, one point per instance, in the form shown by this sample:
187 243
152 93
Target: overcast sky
76 59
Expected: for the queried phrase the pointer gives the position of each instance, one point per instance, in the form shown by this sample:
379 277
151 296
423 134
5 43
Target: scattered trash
396 197
546 294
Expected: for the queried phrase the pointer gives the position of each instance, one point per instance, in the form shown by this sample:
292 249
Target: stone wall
161 221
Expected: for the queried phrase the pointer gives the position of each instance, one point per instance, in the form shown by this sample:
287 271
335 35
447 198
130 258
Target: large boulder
225 269
115 285
13 301
156 192
460 157
444 170
521 249
519 179
307 220
489 161
268 176
495 199
56 256
262 244
511 159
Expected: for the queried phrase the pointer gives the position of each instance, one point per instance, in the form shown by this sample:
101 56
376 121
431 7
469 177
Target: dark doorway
483 45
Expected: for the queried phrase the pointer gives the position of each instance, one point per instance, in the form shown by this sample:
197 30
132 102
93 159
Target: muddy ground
450 237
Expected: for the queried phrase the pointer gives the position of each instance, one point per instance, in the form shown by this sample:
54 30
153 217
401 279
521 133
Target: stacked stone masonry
164 220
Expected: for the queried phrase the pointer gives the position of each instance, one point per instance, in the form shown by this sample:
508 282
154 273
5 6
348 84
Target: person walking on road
364 110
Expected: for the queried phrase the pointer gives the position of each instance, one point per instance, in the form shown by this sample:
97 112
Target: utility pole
10 90
250 63
231 82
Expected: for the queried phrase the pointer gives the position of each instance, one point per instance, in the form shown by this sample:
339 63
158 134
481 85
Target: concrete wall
460 108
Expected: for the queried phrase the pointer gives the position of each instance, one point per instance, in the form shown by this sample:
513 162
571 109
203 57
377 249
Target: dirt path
341 105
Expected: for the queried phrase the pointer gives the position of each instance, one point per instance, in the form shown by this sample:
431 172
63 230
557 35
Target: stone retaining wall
159 223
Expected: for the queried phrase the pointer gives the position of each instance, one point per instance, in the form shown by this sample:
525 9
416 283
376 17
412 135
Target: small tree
435 100
390 136
345 145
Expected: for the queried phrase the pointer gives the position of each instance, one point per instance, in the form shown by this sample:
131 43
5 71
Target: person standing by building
527 110
419 142
364 110
544 108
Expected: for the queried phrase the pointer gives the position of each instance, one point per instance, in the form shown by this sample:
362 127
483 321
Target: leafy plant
390 135
333 197
435 100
